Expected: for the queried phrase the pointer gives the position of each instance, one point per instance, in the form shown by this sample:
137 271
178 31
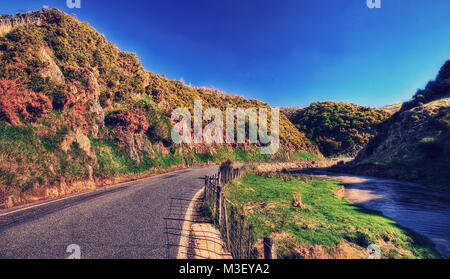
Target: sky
283 52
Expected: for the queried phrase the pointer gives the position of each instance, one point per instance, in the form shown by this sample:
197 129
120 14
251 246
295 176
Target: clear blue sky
284 52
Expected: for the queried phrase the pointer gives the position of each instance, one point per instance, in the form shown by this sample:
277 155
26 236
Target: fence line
236 232
3 199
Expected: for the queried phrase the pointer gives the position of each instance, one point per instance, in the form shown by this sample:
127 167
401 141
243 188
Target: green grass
305 155
325 220
113 159
29 160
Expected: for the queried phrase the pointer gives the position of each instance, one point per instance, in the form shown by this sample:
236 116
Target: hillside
415 143
290 111
338 128
392 108
76 111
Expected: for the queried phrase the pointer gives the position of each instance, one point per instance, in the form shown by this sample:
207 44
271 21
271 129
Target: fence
2 199
235 231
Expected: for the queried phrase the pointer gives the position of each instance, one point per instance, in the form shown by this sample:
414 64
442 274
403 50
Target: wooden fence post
218 204
227 231
241 236
206 188
250 241
233 231
270 248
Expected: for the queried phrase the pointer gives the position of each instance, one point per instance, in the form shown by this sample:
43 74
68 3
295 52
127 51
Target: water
419 208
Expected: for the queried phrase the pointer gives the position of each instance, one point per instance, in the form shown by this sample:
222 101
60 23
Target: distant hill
414 144
392 108
338 128
74 107
290 111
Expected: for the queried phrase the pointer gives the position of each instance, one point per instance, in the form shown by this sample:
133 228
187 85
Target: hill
76 109
290 111
414 144
338 128
392 108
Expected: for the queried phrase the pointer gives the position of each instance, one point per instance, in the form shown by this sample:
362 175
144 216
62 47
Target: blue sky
284 52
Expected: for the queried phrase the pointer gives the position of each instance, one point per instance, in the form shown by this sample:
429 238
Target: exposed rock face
136 143
82 140
52 70
129 129
84 98
159 148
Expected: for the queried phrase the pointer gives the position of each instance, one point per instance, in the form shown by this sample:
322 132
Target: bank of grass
32 160
28 160
114 159
311 213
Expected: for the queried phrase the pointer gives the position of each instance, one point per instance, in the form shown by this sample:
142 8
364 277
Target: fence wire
235 230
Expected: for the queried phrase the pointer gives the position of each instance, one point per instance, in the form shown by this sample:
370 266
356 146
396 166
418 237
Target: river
424 210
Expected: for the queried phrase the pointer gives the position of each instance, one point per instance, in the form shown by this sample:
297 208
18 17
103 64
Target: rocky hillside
338 128
73 107
415 143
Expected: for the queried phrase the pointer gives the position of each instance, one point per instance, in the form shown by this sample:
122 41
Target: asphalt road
122 221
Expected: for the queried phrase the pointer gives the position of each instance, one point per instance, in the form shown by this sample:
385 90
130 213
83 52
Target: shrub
338 128
17 103
430 148
126 123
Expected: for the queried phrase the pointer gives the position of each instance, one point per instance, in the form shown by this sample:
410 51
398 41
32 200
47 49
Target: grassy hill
392 108
338 128
414 144
73 107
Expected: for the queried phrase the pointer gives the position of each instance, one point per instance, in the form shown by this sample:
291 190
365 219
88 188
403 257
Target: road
122 221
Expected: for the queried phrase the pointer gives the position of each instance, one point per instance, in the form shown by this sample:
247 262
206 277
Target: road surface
122 221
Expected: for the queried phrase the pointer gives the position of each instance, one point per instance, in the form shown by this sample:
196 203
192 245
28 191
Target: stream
424 210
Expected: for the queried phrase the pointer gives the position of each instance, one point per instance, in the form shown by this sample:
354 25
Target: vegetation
434 90
338 128
414 144
172 94
392 108
29 160
89 111
310 219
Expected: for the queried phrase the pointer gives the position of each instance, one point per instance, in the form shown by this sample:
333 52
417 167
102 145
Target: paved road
123 221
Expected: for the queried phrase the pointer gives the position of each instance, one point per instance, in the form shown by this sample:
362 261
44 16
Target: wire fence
236 232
